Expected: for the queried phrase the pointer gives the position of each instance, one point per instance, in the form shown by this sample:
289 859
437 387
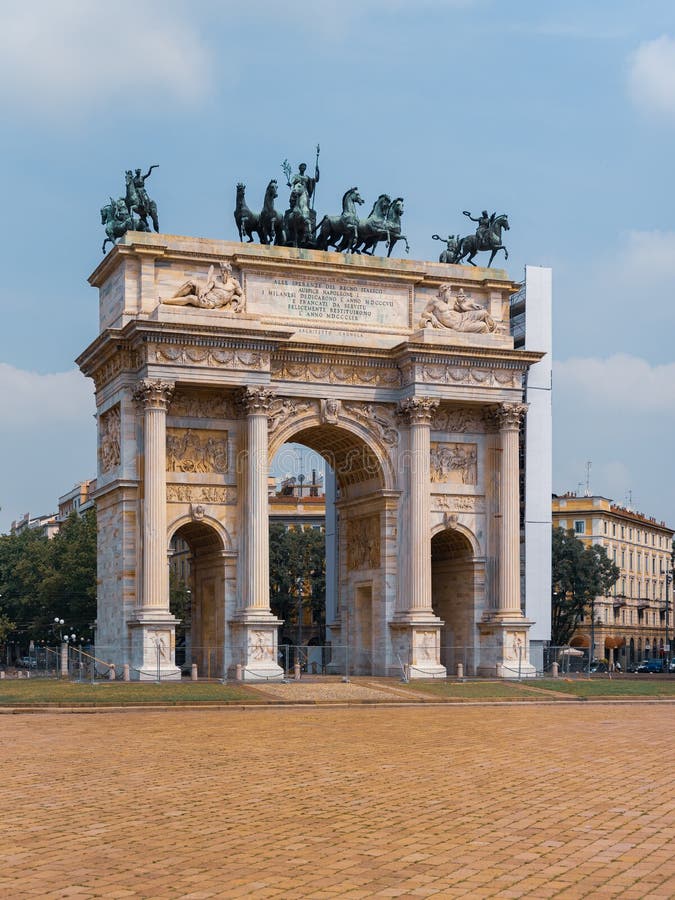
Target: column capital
255 400
508 416
417 410
153 393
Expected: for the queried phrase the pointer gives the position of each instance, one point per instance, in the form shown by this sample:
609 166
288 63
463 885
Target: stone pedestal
417 646
256 641
153 645
505 647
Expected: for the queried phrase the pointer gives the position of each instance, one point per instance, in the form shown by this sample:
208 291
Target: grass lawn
642 686
476 690
42 691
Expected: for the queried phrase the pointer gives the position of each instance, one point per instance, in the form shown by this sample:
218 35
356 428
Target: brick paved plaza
485 801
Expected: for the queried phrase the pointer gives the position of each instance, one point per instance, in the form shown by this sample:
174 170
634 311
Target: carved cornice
417 410
154 393
124 360
508 416
255 400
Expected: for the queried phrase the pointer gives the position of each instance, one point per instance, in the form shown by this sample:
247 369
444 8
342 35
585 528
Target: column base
256 646
153 647
417 644
505 646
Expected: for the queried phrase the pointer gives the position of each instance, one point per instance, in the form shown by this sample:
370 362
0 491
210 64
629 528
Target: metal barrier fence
88 663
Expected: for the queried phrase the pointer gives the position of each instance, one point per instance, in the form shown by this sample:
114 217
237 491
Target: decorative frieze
378 416
198 405
124 360
458 421
363 543
455 504
109 431
208 357
454 462
192 451
335 373
200 493
452 373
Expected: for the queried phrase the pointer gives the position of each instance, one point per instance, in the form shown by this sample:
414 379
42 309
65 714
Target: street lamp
669 577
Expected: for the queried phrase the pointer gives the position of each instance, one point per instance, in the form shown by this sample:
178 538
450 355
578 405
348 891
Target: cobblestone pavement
367 801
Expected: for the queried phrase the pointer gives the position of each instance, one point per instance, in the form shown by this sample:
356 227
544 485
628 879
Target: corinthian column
509 416
256 594
417 411
155 396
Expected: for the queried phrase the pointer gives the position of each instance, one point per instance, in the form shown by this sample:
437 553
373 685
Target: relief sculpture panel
110 439
363 543
454 463
191 451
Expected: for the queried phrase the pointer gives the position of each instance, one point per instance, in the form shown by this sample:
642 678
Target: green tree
579 575
41 579
298 554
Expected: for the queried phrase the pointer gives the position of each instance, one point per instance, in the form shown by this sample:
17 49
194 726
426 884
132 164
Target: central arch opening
453 592
326 521
197 580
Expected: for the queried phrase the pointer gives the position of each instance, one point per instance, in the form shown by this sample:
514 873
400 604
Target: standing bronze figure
488 237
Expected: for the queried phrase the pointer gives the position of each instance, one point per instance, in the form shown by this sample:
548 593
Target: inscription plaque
324 301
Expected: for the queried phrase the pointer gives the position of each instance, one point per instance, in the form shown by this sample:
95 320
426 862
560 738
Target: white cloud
651 76
619 384
71 54
28 399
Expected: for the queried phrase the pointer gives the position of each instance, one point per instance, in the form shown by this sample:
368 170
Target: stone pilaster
258 628
153 626
504 633
416 628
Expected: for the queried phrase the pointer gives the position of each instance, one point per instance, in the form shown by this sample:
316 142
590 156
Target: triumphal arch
401 374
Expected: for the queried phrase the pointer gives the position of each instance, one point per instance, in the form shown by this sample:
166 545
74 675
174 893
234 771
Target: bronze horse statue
297 219
272 230
138 202
341 231
247 221
470 245
117 220
374 229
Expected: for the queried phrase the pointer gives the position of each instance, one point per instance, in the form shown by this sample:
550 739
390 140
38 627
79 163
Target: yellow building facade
630 625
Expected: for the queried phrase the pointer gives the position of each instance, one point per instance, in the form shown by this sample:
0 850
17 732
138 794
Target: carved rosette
154 393
417 410
508 416
256 401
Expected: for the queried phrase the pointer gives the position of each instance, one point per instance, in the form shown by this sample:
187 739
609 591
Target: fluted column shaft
256 402
155 397
418 412
509 417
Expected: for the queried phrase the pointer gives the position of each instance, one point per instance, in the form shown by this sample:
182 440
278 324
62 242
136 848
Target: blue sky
561 114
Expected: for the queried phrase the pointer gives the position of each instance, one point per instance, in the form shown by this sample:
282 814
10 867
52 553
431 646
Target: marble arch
420 415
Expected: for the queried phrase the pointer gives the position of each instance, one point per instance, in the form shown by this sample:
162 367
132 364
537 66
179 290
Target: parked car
598 667
655 665
671 667
27 662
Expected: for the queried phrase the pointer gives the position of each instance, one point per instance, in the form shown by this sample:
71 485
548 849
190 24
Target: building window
605 526
579 526
623 531
639 562
630 561
613 529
